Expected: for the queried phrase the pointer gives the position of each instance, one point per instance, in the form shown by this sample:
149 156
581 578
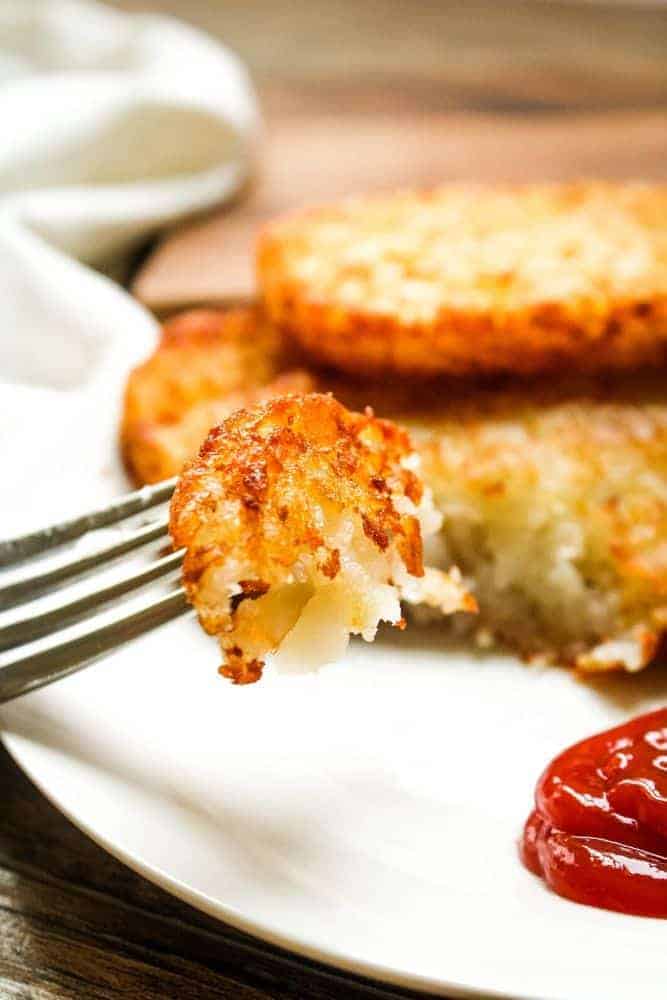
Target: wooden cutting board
310 155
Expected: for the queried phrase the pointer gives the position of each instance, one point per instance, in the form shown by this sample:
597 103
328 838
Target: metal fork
70 633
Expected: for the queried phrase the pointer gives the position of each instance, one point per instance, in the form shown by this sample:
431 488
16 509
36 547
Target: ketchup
598 834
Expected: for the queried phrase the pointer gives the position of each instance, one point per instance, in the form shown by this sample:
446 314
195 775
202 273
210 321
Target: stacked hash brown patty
553 489
465 280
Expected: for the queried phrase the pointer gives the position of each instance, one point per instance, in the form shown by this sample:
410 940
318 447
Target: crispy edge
154 396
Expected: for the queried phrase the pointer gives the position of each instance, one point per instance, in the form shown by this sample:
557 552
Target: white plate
366 816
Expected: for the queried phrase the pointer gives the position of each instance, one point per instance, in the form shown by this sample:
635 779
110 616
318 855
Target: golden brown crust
465 280
207 363
267 482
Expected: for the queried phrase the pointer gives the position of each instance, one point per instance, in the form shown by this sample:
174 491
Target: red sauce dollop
598 834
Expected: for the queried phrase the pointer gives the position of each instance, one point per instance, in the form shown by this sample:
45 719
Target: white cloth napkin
113 126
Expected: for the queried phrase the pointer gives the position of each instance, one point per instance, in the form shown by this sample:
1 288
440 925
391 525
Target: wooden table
356 95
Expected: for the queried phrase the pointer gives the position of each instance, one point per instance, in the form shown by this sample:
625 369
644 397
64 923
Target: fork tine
30 627
29 584
13 550
29 671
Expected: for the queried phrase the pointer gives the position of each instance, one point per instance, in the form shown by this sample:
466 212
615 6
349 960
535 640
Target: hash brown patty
554 504
466 280
553 493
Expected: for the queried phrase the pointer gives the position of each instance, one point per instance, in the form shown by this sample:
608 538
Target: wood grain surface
310 157
357 94
362 95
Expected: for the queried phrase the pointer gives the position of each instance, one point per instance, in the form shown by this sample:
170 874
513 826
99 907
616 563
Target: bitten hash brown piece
302 523
461 280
